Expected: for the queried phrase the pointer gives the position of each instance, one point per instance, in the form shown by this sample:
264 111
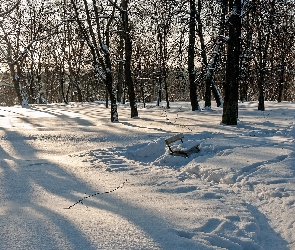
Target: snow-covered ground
237 193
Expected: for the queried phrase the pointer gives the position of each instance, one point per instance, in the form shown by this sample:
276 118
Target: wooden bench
177 150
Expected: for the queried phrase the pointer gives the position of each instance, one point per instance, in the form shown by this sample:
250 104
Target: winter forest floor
238 192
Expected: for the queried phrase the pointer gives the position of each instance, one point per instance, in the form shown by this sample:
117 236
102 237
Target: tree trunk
109 77
61 83
231 88
160 69
159 98
209 77
142 93
111 92
263 49
16 72
120 85
128 53
281 79
262 68
245 60
191 57
164 57
16 82
166 89
210 68
101 64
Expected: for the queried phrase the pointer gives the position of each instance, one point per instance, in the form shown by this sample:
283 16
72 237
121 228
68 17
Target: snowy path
237 193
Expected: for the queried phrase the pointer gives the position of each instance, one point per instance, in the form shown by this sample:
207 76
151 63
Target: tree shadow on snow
24 223
27 180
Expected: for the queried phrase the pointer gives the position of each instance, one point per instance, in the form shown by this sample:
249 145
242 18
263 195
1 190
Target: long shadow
26 223
138 126
63 117
48 228
81 124
58 117
62 120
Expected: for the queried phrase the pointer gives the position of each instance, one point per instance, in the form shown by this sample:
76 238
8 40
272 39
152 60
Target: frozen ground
237 193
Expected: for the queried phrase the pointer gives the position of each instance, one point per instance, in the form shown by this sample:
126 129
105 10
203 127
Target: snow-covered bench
183 148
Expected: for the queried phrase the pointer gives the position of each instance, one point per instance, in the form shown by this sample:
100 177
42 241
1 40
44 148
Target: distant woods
147 51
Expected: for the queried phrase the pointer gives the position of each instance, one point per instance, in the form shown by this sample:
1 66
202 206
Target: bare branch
25 51
10 10
116 5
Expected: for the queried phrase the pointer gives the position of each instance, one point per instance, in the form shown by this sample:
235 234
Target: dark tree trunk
208 78
191 57
231 88
39 81
30 80
142 93
120 85
166 89
159 98
107 95
164 57
109 84
61 83
261 99
203 55
128 54
16 82
141 83
79 92
261 96
101 64
262 68
281 79
263 50
160 69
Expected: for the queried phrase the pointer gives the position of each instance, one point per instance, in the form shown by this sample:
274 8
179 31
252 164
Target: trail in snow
237 193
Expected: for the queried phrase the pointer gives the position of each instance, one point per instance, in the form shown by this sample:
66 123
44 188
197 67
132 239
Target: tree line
143 51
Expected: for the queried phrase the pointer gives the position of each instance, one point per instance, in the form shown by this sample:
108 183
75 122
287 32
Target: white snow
238 192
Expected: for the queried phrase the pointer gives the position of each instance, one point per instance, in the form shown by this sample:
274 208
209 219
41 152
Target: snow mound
146 152
157 153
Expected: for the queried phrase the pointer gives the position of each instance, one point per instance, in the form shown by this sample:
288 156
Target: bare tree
191 57
128 55
98 43
211 66
231 86
18 40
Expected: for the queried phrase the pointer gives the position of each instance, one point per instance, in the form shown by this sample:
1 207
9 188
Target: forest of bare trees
147 51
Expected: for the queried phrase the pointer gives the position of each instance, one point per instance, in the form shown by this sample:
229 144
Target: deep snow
238 192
